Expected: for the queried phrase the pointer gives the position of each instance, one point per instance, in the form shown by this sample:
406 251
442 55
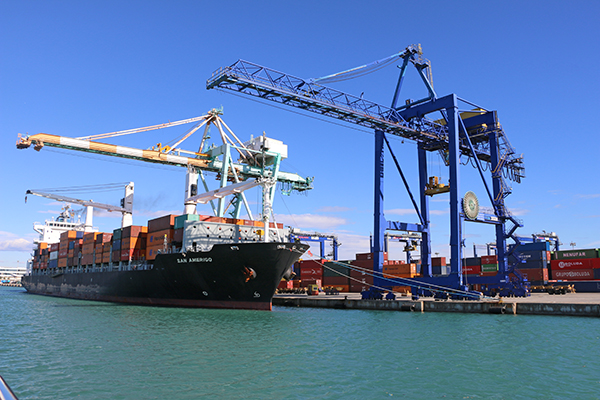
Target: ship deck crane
258 164
474 133
126 207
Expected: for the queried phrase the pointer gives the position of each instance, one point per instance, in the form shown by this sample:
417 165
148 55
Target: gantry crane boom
165 155
269 84
126 209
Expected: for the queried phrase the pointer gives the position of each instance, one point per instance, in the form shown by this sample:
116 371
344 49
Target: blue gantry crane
464 130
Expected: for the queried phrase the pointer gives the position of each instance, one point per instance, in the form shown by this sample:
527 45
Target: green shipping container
180 220
117 234
332 269
489 267
568 254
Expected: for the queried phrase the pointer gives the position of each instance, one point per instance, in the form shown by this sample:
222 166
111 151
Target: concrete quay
570 304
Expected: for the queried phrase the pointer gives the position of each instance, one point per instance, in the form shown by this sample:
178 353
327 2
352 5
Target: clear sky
76 68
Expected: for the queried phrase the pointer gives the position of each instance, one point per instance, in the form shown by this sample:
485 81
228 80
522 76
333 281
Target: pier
570 304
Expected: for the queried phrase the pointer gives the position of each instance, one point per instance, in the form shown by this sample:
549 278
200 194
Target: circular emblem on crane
470 205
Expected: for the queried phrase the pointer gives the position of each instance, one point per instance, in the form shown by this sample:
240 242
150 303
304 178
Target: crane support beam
410 123
204 162
87 203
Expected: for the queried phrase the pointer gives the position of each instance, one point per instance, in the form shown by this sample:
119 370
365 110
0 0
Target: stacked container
336 275
179 227
161 233
575 265
311 272
103 242
88 250
133 243
116 246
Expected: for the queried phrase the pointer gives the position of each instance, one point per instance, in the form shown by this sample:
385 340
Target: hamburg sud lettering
194 259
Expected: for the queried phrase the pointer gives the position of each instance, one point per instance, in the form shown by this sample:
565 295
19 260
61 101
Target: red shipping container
489 259
54 246
534 275
310 281
103 238
314 272
161 223
133 231
471 269
579 263
335 280
573 274
438 261
285 284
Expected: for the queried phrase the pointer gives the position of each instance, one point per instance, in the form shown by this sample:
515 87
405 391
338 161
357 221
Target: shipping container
570 254
489 260
117 234
88 248
54 247
573 274
539 275
53 263
533 265
53 255
471 269
335 269
335 280
90 237
283 284
178 235
489 267
61 263
438 261
103 238
158 237
440 269
65 236
132 254
472 261
310 281
581 263
180 220
535 255
133 231
134 242
161 223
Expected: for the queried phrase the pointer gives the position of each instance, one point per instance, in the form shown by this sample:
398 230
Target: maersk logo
567 264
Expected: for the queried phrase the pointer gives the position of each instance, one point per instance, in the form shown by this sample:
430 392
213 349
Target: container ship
188 260
226 263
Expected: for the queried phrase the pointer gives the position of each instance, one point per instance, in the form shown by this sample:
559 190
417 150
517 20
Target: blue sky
79 68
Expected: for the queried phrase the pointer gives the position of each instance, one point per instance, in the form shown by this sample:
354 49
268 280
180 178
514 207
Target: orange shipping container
132 242
65 236
158 237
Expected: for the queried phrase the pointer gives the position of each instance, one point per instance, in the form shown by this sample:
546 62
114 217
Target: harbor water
67 349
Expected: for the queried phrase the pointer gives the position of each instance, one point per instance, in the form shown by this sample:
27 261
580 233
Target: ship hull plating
239 276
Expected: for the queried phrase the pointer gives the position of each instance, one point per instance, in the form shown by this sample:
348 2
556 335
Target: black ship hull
234 276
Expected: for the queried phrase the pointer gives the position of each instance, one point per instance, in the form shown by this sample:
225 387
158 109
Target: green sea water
66 349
